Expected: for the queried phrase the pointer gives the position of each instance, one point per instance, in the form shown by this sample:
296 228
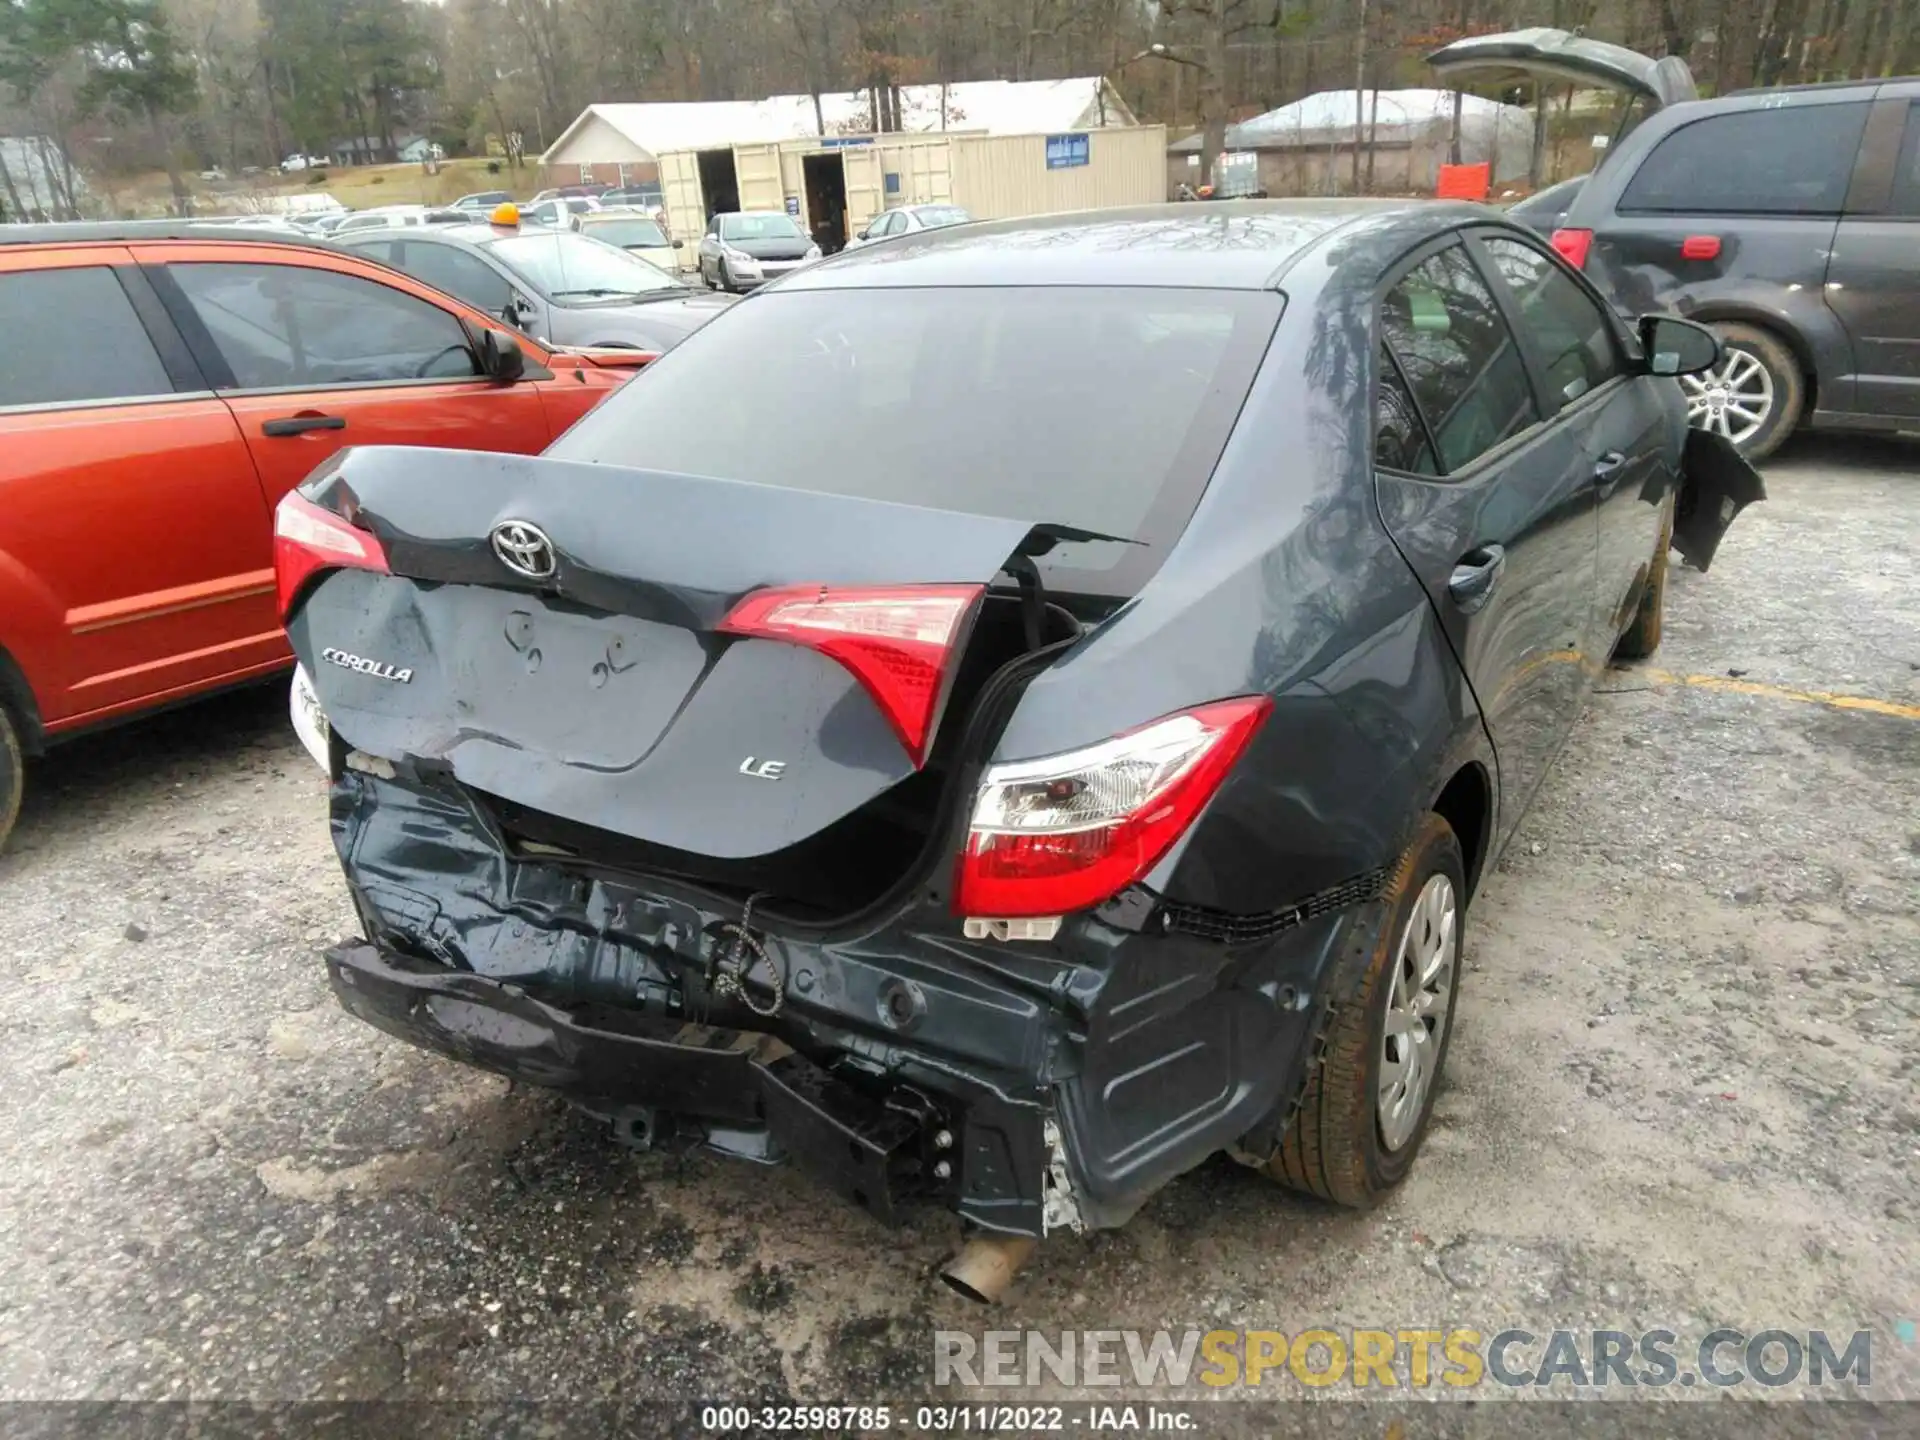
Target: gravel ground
1682 1089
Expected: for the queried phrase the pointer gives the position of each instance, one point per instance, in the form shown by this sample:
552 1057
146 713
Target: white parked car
386 217
303 162
557 212
907 219
635 231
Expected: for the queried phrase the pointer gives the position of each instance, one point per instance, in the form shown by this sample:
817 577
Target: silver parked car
560 287
745 248
907 219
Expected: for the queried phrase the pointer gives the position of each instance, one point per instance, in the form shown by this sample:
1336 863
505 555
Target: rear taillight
1573 246
899 641
1066 832
308 540
1700 247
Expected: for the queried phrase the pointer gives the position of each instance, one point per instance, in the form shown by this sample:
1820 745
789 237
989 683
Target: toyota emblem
524 549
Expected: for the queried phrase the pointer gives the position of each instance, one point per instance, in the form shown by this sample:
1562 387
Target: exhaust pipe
986 1265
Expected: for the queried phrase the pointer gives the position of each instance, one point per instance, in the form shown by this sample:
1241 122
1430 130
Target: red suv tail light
1065 832
899 641
308 540
1573 246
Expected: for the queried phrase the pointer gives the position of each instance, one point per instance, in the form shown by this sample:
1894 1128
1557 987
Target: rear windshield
1099 408
935 217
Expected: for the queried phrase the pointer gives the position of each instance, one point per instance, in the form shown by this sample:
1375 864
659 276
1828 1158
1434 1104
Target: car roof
1232 245
1868 86
128 231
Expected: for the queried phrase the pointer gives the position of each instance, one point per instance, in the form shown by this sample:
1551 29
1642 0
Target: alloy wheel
1733 399
1418 1005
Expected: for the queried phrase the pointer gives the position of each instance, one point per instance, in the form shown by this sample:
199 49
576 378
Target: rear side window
1793 160
1096 407
283 326
1459 357
101 352
1399 439
1571 333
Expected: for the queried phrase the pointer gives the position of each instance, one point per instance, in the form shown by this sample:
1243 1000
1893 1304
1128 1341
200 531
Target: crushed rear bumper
1024 1086
741 1092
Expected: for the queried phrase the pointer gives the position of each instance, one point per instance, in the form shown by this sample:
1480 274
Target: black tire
13 774
1789 386
1642 637
1335 1148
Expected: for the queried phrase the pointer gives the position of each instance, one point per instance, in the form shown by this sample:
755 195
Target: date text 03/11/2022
947 1419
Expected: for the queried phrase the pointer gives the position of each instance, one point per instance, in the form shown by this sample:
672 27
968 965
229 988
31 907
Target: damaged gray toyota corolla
998 718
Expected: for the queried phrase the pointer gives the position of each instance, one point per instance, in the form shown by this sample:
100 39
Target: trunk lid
602 687
1563 58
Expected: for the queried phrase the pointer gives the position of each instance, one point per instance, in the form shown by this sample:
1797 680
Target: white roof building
626 134
1489 131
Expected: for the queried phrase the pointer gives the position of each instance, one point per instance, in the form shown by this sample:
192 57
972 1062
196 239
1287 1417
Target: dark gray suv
1786 218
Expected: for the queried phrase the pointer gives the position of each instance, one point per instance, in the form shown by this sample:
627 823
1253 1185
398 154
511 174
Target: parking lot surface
1684 1089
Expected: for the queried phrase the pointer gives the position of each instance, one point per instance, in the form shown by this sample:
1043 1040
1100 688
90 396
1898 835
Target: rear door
680 193
758 170
135 559
311 353
1492 502
1873 279
861 164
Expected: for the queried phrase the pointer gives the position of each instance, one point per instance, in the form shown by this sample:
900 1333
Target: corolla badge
379 670
524 549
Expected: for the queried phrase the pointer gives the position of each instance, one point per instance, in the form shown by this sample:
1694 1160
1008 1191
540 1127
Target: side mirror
1673 346
501 359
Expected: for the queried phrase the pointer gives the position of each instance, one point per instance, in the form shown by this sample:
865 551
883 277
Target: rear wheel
13 774
1753 397
1368 1101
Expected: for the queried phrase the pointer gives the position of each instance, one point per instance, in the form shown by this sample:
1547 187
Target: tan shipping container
991 176
997 177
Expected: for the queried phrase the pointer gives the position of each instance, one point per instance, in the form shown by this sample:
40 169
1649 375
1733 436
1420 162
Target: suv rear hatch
1556 56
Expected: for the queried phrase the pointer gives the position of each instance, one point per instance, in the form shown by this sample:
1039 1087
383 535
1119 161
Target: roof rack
96 232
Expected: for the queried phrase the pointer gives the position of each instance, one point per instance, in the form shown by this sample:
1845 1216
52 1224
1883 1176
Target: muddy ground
1683 1090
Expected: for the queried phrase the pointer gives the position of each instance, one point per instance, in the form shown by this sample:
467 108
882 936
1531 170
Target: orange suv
161 389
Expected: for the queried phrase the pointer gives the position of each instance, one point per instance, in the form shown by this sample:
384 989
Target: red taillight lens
899 641
1573 246
1700 247
308 540
1063 833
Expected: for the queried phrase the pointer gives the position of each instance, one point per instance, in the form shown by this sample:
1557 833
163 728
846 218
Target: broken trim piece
1230 929
1058 1209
